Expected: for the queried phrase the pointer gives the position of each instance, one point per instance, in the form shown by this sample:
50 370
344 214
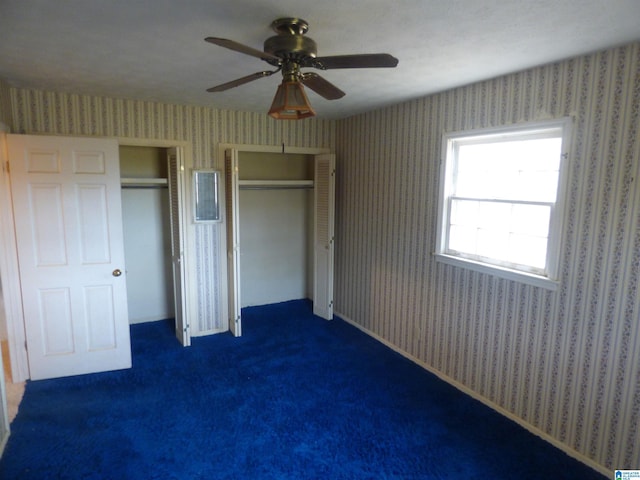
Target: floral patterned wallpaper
566 363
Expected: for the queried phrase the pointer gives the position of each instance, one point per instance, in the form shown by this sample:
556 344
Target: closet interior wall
276 227
147 233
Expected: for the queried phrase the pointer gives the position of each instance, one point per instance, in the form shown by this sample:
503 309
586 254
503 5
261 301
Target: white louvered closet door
233 240
176 199
324 201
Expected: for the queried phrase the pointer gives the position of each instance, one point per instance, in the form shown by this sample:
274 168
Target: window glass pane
536 186
518 169
494 216
464 212
528 250
531 220
493 244
505 232
463 239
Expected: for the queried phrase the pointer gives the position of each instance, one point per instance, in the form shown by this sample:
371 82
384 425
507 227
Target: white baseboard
497 408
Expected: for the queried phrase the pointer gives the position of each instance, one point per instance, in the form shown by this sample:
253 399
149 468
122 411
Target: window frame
450 140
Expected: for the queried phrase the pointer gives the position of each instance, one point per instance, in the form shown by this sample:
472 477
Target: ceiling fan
290 51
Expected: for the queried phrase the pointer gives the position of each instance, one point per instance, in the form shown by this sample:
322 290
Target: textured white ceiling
155 49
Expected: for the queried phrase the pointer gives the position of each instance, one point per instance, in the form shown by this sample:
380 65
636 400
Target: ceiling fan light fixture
291 102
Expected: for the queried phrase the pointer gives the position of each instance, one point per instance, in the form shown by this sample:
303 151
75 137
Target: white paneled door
67 208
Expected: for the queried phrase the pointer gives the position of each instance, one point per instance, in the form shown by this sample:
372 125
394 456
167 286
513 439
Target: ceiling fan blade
321 86
240 81
238 47
367 60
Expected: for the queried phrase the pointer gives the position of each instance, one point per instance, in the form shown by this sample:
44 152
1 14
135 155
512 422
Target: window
501 192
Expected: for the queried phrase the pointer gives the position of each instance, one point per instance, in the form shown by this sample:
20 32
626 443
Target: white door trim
10 275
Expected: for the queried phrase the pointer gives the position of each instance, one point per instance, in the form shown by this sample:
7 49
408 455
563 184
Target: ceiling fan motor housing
290 43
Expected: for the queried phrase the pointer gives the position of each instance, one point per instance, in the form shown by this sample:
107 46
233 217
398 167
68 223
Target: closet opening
276 225
146 217
279 224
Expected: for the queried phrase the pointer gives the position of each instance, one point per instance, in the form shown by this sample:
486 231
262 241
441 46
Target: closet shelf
273 184
143 182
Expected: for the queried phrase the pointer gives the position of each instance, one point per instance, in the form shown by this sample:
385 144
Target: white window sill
523 277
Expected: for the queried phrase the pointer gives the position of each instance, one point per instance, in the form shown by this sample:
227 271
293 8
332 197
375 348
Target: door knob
117 272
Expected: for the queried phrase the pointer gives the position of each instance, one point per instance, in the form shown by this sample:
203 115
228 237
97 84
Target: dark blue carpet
296 397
